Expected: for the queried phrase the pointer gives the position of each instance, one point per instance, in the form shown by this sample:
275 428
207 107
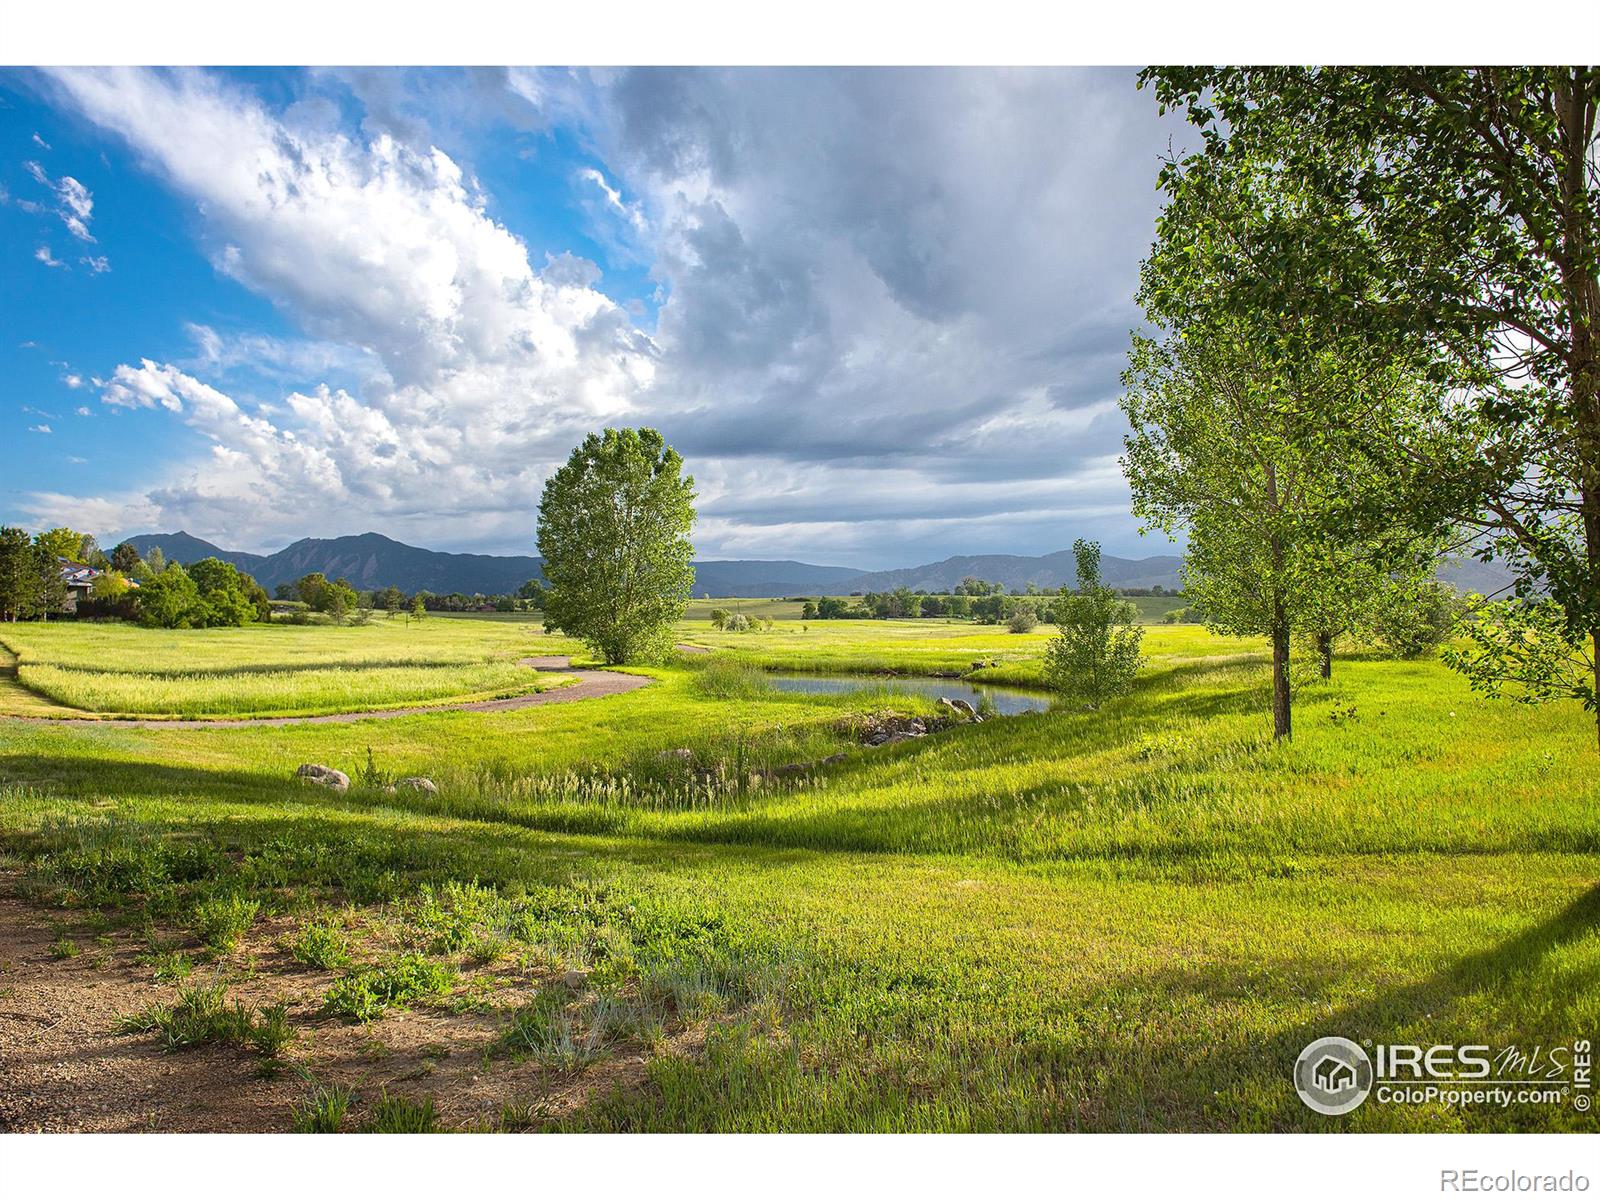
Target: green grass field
264 670
1130 920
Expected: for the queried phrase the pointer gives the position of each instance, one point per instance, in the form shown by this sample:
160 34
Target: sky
881 313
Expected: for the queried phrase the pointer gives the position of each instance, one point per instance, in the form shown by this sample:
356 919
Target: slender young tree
50 589
1287 446
614 527
1095 656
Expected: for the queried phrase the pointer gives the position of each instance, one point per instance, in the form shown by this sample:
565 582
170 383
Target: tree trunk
1325 654
1280 672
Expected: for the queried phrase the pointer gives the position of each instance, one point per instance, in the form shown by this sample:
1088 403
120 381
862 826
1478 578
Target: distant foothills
370 560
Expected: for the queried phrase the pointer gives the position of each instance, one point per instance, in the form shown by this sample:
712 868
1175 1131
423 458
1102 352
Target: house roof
77 574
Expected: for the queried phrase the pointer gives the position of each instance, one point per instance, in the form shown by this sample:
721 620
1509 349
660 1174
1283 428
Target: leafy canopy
614 527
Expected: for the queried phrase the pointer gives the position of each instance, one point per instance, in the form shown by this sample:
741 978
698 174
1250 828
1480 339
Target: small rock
575 979
323 776
417 783
960 706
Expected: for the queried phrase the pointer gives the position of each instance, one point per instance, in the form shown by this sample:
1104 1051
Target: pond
1008 701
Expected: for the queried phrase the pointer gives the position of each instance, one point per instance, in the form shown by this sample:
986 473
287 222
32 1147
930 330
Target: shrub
722 679
1023 621
1414 622
222 920
322 944
169 600
363 994
737 623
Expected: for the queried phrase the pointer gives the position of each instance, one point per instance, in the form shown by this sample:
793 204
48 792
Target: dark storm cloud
931 271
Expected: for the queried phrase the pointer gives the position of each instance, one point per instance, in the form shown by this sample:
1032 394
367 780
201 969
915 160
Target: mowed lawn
1126 920
113 669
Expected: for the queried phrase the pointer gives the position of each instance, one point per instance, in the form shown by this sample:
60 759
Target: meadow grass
113 669
1130 920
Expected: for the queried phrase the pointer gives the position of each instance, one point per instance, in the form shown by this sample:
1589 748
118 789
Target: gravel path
590 685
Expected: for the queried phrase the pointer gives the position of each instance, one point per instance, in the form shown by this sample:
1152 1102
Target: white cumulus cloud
483 370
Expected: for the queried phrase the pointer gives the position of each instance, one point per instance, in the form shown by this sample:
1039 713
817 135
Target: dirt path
589 685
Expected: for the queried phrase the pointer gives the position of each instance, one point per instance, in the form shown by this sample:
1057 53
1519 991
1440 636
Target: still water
1008 701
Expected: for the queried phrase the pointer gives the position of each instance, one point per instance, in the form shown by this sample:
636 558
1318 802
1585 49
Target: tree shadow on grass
1415 1011
74 777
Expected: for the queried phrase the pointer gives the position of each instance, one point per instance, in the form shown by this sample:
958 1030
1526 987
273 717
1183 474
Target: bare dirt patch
65 1067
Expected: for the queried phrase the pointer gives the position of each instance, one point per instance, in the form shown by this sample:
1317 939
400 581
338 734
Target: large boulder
323 776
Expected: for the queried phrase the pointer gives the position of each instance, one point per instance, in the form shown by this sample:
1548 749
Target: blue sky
881 313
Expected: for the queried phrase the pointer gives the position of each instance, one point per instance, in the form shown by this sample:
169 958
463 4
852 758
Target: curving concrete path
590 685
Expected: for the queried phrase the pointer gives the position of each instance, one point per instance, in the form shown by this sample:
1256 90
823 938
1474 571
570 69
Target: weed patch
363 994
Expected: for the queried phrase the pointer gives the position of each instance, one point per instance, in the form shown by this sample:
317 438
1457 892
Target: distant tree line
160 593
339 599
982 601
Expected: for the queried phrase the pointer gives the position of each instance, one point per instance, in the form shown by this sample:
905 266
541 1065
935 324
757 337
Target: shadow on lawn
1492 969
1420 1011
77 777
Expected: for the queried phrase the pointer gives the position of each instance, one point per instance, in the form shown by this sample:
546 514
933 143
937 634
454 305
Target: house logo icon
1333 1076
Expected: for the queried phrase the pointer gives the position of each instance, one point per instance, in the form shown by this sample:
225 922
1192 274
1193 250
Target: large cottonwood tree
614 527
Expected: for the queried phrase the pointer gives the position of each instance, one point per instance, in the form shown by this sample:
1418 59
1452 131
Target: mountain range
370 560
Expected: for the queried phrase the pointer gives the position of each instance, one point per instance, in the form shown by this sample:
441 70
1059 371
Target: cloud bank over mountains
889 308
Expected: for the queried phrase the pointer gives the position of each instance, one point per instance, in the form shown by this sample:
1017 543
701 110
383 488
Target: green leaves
1096 654
1525 650
1450 223
614 526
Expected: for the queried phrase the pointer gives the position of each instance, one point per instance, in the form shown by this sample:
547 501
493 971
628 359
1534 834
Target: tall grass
276 693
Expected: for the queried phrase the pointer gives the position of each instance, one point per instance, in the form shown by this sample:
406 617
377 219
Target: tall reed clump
730 679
